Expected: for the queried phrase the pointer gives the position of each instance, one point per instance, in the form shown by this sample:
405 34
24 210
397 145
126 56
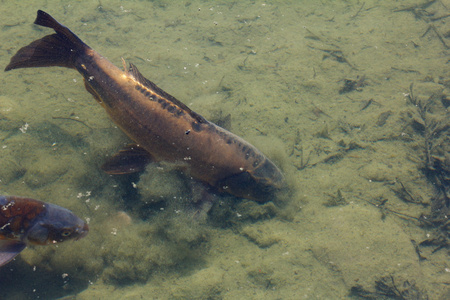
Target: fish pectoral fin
9 249
131 159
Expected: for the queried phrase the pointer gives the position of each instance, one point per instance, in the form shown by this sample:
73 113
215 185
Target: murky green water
273 72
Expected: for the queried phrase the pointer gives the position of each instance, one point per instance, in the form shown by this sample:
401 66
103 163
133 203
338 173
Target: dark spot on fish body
256 163
221 133
148 94
196 126
164 102
249 153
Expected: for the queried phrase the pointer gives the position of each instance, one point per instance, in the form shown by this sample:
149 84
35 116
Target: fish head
56 225
259 184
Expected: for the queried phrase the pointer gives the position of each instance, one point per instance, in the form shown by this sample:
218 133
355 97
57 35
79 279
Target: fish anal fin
10 249
131 159
92 91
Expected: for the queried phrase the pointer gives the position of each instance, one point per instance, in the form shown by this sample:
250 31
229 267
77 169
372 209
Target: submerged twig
72 119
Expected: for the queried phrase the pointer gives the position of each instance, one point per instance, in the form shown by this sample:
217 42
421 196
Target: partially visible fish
25 221
162 127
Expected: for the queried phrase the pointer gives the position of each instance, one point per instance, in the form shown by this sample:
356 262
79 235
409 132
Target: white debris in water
24 128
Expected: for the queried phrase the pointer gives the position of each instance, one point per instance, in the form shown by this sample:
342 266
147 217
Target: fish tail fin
59 49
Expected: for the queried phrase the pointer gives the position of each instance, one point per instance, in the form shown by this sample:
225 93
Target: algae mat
322 87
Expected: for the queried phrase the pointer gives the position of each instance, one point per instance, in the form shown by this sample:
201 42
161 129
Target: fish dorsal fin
153 87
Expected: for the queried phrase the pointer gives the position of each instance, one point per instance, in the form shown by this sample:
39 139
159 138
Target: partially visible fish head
56 225
259 184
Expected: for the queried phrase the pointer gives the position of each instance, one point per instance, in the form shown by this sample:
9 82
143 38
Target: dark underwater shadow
18 280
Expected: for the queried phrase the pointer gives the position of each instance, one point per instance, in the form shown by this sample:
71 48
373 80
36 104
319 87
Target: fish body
163 128
25 221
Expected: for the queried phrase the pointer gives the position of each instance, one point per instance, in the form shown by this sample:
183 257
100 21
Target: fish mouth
82 232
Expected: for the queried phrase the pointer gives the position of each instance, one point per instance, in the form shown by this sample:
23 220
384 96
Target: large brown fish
163 128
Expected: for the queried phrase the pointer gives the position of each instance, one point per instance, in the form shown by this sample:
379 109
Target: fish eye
66 232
